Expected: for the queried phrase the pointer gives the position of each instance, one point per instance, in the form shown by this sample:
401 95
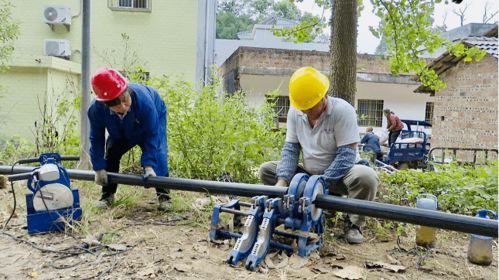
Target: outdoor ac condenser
57 47
57 14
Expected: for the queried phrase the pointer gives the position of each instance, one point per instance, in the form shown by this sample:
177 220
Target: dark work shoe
105 202
164 203
353 235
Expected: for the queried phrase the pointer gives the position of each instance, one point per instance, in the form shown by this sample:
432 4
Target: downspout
201 44
206 28
84 162
210 39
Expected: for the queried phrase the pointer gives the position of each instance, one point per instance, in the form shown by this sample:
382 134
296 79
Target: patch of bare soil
147 244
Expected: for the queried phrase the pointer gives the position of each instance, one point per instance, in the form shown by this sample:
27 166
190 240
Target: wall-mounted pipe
423 217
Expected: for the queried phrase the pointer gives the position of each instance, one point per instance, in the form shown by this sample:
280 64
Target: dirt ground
135 241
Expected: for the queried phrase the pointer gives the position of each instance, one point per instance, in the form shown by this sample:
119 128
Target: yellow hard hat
307 87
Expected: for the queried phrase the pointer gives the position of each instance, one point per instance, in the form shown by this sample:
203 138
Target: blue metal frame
408 152
51 220
296 211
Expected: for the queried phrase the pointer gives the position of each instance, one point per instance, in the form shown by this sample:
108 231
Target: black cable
14 196
65 253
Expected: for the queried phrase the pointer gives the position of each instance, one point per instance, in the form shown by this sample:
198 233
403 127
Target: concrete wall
465 113
25 90
165 38
19 108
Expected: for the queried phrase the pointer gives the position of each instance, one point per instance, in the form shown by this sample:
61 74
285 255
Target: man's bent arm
342 163
289 161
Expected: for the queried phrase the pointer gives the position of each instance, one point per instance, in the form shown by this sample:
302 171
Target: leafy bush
460 189
15 148
209 135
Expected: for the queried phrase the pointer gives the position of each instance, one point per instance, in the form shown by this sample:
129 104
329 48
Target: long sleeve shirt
143 125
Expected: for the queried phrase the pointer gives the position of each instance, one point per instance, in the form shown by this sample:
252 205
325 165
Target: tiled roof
488 44
447 60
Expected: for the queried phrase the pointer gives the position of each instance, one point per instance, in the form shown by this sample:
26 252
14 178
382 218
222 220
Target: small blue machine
52 203
270 222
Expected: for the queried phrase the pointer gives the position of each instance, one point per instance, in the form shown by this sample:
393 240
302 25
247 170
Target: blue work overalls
143 125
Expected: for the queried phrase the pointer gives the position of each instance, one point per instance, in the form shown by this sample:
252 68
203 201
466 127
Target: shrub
211 134
460 189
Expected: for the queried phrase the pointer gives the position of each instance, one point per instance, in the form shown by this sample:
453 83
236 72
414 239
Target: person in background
133 115
394 126
371 143
325 130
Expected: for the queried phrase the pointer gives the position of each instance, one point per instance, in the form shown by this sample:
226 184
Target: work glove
101 177
149 172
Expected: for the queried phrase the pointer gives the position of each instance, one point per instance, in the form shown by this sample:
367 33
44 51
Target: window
281 106
130 5
141 4
428 115
370 112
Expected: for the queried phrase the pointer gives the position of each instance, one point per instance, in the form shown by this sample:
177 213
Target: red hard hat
108 84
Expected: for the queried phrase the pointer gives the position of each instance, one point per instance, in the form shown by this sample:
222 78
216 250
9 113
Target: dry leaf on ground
182 267
350 273
390 267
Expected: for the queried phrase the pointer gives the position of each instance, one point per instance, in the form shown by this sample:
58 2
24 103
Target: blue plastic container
480 247
426 236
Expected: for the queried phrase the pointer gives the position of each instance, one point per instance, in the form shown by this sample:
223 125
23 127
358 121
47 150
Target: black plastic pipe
423 217
418 216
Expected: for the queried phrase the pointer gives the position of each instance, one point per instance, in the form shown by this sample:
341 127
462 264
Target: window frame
281 107
375 107
114 5
428 112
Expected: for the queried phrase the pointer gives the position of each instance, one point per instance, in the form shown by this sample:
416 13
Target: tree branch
394 27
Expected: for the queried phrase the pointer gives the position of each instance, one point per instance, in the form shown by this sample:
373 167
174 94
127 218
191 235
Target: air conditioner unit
57 47
57 14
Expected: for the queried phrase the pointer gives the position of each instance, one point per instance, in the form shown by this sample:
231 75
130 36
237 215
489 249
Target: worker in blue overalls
132 114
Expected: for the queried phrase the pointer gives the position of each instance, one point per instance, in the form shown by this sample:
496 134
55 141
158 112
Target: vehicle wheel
403 165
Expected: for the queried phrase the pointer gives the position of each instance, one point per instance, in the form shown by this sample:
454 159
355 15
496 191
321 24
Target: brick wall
266 58
465 113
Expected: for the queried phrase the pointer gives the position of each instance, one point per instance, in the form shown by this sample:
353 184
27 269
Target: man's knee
365 180
267 173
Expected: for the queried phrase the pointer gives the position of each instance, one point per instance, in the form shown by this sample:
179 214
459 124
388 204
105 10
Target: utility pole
84 162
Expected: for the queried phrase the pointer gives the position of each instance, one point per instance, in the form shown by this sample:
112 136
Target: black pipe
423 217
247 190
418 216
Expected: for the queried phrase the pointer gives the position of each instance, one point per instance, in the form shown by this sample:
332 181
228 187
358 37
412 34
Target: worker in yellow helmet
325 129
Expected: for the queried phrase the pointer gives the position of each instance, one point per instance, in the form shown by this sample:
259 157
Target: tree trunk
343 50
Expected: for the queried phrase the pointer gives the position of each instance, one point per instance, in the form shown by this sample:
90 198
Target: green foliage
460 189
309 28
406 26
57 130
305 31
234 16
15 148
9 30
229 24
209 135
